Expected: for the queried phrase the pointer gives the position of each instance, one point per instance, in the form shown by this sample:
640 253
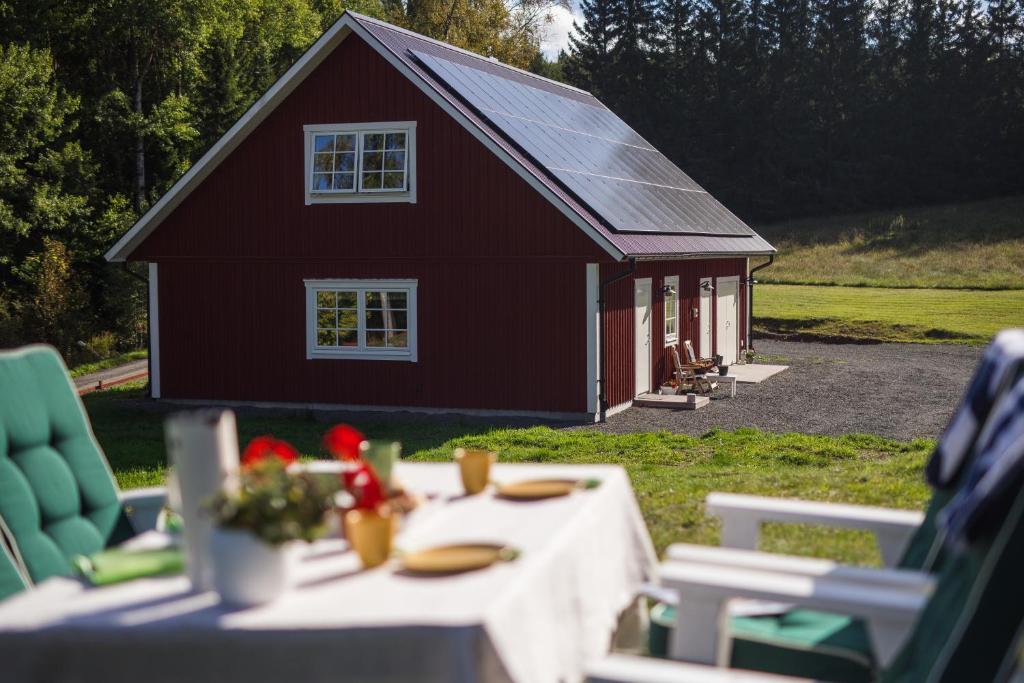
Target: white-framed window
671 310
360 162
367 319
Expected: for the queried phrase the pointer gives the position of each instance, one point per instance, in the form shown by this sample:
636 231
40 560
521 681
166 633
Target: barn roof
584 159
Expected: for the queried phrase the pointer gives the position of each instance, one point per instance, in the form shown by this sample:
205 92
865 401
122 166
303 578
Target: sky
557 37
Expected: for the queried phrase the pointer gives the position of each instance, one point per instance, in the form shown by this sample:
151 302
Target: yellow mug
475 468
369 532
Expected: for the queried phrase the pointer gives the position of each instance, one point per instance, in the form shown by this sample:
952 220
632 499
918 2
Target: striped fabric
995 477
1001 365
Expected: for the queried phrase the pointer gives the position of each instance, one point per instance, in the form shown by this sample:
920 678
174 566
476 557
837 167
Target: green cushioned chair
829 646
826 646
967 630
58 497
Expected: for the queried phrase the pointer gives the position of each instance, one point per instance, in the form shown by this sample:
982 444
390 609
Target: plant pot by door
723 370
246 570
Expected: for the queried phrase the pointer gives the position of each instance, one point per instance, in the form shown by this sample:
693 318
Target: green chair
58 497
963 631
830 646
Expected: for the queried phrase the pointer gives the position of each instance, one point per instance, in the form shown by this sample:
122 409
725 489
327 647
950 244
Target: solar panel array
591 152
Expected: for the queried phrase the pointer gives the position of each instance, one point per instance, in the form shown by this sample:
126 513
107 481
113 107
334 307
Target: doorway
642 327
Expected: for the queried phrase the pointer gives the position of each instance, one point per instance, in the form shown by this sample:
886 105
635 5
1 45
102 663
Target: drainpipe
149 340
602 397
750 299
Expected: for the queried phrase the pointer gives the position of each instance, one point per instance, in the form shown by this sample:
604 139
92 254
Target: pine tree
590 62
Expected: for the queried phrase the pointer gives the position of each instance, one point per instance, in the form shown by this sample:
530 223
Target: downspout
602 397
750 299
149 337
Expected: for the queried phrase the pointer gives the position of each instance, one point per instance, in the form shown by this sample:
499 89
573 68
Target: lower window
368 319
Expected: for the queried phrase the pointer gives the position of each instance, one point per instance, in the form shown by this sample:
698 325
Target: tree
590 64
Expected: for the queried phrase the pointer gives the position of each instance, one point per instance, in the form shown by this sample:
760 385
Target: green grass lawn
900 315
975 245
671 473
113 362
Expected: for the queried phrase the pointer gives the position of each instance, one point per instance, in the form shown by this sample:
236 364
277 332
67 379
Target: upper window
364 162
370 319
671 309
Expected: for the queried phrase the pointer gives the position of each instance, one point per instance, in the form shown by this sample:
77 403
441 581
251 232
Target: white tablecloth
538 618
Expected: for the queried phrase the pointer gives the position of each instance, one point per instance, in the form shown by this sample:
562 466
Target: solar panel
591 152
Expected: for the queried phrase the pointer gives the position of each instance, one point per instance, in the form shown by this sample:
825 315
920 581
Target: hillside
976 245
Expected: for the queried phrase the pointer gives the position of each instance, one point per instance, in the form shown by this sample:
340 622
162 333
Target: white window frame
361 352
673 339
358 195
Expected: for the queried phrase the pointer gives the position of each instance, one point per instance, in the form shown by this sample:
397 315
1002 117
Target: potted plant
670 387
257 524
750 355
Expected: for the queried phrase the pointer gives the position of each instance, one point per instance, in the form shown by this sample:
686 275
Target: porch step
669 401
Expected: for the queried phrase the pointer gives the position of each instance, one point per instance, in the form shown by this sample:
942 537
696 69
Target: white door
727 313
642 313
704 319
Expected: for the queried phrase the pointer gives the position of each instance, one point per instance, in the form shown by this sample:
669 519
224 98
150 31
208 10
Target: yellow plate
447 559
535 489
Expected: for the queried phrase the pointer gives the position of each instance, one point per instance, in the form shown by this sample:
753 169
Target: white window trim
360 196
671 281
407 354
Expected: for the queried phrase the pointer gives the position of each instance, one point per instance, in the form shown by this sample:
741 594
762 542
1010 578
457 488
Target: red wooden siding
490 336
501 323
619 317
470 204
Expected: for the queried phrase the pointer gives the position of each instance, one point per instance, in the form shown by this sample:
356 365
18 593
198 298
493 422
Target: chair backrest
680 373
924 550
57 494
970 622
691 356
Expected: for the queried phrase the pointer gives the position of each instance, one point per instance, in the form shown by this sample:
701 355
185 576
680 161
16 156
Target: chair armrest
704 591
742 516
144 506
630 669
902 579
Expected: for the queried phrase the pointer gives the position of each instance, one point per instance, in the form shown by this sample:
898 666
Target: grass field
96 366
671 474
975 245
882 314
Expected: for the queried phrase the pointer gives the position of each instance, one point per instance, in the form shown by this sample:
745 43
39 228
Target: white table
538 618
725 379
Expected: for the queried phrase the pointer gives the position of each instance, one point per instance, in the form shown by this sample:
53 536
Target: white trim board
346 24
154 332
593 312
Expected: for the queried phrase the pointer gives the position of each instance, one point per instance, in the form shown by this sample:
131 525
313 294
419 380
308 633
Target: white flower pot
668 391
246 570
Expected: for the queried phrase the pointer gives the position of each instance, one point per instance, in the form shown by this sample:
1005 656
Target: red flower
263 447
362 482
343 441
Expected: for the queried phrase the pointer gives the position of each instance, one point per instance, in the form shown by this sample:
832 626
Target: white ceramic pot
246 570
668 390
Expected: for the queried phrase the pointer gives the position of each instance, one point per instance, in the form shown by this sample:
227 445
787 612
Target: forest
781 108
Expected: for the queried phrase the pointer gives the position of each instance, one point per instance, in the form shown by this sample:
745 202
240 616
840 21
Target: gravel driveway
901 391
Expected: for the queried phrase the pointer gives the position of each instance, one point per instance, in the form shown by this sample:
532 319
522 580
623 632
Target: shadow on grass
129 427
838 331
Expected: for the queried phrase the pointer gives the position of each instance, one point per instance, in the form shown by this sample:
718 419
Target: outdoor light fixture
707 286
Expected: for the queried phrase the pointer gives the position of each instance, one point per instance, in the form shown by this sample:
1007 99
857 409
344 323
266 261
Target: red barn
401 224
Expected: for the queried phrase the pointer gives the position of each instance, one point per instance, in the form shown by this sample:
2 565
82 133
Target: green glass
382 456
